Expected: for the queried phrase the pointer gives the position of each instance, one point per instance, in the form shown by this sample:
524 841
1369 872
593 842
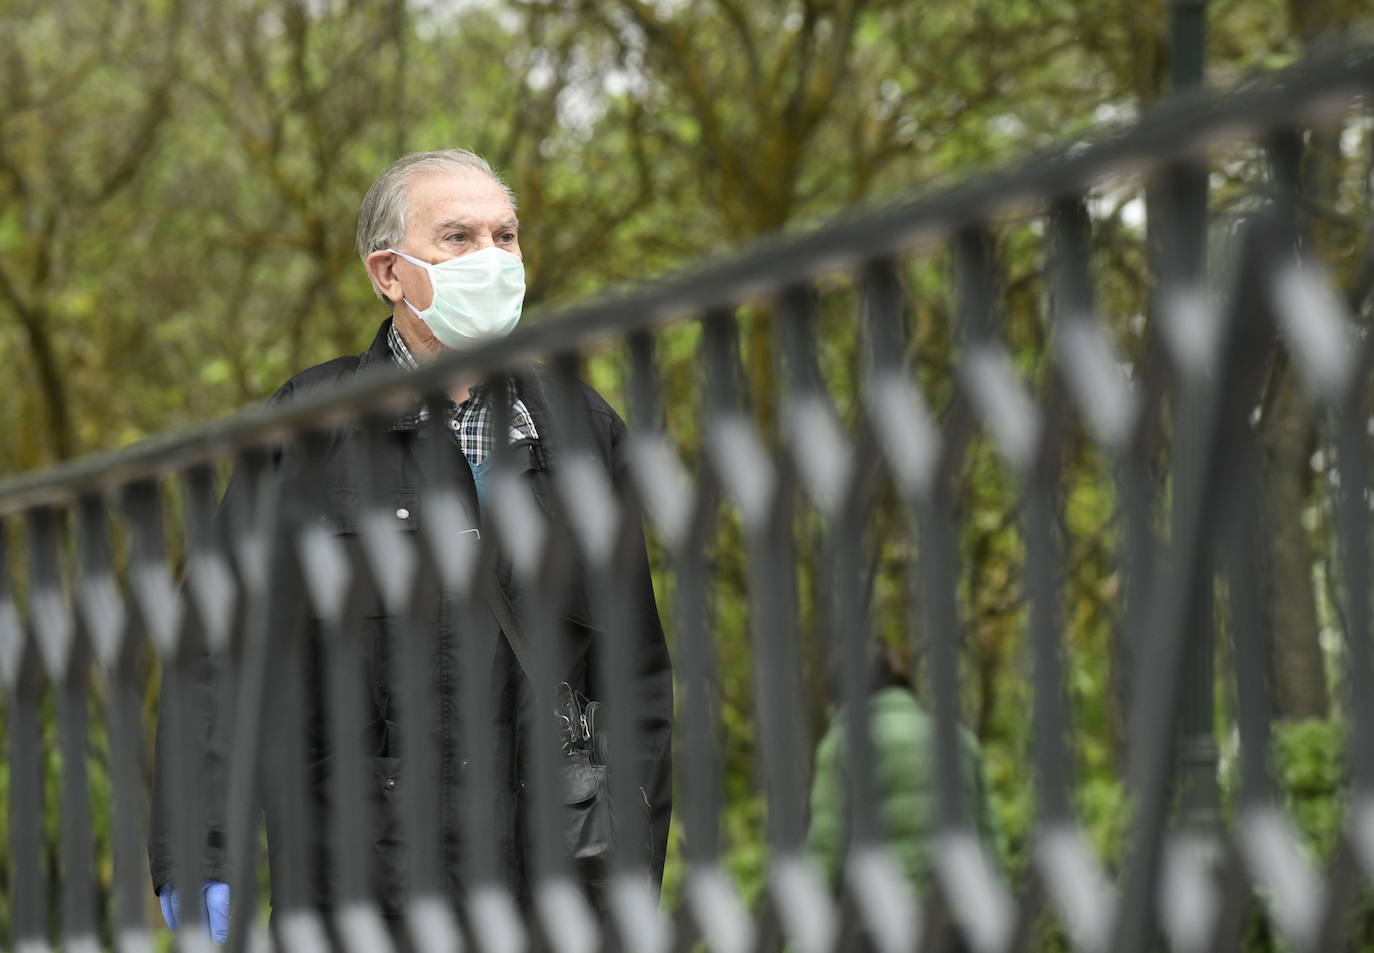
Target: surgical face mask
476 297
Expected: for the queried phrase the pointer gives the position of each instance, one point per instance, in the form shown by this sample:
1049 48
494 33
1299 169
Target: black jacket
402 465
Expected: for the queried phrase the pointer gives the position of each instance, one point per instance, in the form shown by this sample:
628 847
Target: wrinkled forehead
457 195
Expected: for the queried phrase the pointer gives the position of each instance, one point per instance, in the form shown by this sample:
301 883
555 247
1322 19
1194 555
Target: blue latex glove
216 896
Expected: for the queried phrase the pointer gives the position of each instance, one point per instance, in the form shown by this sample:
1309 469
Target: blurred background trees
179 181
179 178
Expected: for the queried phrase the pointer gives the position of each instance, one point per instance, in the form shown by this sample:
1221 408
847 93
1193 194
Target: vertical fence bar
65 660
1139 547
596 517
187 710
540 570
1186 257
1089 373
295 795
127 762
78 837
701 774
893 414
840 482
1073 307
188 703
452 532
342 583
210 598
428 572
698 659
105 622
827 463
1352 507
987 385
28 876
1115 413
763 493
250 511
292 821
939 570
829 469
158 618
1250 626
684 516
1298 303
1177 588
345 787
177 847
902 425
974 307
1267 837
1044 566
605 521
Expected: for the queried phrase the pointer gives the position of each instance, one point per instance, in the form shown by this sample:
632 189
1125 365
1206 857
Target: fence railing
349 587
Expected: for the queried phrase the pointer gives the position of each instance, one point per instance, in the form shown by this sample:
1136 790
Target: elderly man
439 238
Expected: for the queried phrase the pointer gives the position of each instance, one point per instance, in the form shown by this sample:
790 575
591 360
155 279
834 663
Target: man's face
448 215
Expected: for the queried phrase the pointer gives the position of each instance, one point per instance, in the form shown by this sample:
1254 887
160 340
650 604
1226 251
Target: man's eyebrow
454 224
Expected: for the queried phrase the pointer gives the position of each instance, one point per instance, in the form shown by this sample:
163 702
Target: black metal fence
255 701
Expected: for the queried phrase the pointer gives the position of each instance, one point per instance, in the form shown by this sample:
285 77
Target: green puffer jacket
904 747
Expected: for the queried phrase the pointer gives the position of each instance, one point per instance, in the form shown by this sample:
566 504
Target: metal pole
1199 805
1187 43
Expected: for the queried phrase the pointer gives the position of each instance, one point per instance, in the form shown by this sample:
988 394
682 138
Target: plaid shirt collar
470 422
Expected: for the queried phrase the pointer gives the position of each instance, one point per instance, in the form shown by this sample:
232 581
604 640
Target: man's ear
381 268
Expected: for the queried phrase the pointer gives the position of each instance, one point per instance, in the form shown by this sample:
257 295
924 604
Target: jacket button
403 514
390 784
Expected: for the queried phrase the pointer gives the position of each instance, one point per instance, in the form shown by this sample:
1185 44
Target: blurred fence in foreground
97 588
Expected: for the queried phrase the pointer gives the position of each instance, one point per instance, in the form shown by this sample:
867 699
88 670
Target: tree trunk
57 430
1290 440
1300 672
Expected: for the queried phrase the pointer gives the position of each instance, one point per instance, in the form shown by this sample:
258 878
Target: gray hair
382 218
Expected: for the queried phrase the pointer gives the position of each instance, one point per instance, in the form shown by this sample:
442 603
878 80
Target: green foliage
1310 763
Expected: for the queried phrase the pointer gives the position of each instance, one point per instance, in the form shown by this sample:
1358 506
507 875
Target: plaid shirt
470 421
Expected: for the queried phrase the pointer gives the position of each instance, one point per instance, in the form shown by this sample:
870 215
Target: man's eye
508 237
456 237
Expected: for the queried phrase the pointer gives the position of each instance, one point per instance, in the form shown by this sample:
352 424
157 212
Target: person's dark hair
889 668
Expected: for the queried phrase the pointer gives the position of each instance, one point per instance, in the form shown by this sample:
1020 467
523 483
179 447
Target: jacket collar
378 353
530 385
377 357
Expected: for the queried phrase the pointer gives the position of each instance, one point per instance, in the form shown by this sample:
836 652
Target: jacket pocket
587 812
588 825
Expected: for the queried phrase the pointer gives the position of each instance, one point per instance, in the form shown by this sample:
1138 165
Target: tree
88 100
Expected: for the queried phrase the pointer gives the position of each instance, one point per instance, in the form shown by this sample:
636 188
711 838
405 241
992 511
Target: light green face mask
476 297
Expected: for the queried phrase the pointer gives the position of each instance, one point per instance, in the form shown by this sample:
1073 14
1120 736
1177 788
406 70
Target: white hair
382 218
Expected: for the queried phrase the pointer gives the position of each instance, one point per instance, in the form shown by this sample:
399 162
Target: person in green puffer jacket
903 736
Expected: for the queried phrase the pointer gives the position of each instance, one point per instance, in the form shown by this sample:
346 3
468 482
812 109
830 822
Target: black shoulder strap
499 601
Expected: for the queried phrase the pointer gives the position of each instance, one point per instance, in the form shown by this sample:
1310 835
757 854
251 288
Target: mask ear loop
429 275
